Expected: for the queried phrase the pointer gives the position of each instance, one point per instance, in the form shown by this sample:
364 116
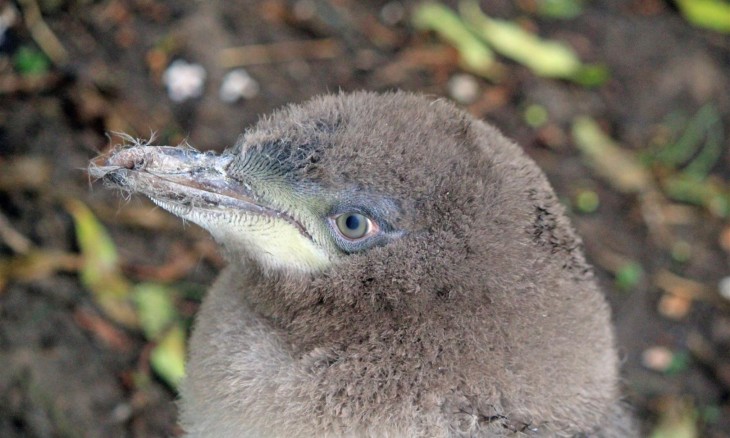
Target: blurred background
624 103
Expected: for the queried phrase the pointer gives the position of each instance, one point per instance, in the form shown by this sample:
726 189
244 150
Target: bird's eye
354 225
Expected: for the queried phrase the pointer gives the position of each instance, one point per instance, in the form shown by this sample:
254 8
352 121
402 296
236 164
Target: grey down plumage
466 310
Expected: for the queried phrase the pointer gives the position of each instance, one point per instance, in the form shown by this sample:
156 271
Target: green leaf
562 9
155 308
680 362
712 149
708 14
707 193
100 272
544 57
618 166
474 55
705 124
677 420
168 357
30 61
587 201
629 275
591 75
535 115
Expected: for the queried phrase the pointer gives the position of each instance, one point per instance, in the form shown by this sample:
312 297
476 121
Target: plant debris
709 14
474 54
618 166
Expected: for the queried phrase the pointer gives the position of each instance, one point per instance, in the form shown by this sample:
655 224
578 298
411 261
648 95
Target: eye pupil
353 225
352 222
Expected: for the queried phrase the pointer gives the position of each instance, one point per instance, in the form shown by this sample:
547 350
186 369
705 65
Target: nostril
126 164
129 159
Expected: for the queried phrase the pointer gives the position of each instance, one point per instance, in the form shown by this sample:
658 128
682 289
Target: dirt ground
67 369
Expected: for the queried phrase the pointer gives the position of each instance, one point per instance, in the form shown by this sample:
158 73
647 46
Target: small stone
721 331
657 358
8 17
725 239
674 306
184 80
463 88
392 13
238 84
724 287
121 413
304 10
366 59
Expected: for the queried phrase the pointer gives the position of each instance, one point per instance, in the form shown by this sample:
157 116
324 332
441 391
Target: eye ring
354 226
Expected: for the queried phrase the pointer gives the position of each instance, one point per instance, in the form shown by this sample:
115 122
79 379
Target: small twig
653 203
327 48
687 288
681 286
42 34
16 241
706 354
11 83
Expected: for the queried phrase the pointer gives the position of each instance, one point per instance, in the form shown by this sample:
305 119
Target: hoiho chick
397 268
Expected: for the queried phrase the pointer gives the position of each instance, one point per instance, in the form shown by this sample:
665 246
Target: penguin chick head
316 184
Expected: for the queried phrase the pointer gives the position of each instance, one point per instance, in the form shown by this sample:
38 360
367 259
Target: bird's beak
196 186
183 176
170 173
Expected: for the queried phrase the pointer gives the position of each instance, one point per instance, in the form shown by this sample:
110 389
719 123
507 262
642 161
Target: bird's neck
312 316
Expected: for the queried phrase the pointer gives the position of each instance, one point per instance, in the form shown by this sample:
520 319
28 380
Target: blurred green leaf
707 193
545 58
704 125
100 271
681 251
680 362
629 275
155 308
618 166
708 14
562 9
536 115
37 264
686 153
591 75
475 56
168 357
711 152
30 61
677 420
711 413
148 305
586 201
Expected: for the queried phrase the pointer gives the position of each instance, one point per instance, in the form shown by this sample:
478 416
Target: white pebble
237 84
463 88
392 13
122 413
657 358
184 80
8 16
724 286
